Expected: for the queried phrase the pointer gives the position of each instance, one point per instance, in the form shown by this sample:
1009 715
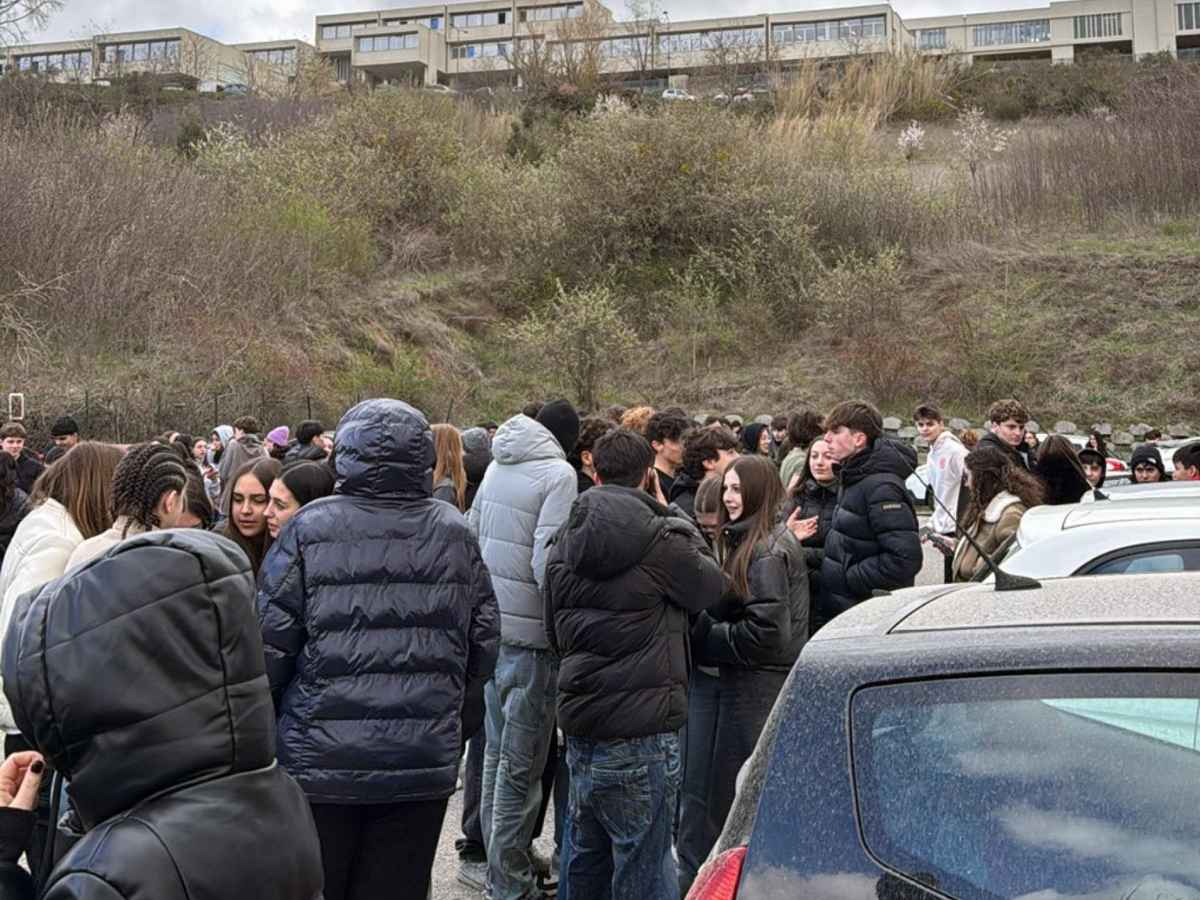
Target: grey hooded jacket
524 499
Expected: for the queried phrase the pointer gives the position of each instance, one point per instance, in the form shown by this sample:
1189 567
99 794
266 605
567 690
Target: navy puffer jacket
378 618
873 542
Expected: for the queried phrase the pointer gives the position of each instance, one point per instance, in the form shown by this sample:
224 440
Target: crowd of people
286 654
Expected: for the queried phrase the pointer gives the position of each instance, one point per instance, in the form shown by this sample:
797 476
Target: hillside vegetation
172 266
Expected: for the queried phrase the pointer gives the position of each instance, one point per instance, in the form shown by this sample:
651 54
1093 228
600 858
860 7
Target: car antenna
1005 581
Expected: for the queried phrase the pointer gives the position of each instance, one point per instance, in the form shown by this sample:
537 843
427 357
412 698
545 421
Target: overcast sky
237 21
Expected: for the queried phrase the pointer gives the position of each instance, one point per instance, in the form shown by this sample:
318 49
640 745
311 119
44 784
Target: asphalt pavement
445 866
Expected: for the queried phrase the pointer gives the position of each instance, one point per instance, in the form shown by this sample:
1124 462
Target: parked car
743 97
236 90
440 89
676 94
1156 490
1156 534
951 742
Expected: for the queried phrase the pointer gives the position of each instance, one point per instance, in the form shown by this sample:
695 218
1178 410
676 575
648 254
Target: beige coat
999 523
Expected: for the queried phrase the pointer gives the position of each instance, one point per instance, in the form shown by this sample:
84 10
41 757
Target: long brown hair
448 443
992 472
266 470
762 495
82 481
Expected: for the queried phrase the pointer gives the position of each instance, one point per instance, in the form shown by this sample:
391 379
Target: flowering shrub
979 140
911 140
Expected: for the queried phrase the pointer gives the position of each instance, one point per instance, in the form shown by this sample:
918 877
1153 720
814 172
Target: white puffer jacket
524 499
39 552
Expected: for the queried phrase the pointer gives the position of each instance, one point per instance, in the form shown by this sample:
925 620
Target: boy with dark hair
622 578
705 451
1006 431
1187 463
12 442
309 445
665 431
591 430
873 543
944 473
803 427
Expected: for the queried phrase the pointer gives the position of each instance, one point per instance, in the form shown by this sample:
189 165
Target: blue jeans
697 833
520 702
619 819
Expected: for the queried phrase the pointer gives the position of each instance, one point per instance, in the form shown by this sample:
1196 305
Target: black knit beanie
562 421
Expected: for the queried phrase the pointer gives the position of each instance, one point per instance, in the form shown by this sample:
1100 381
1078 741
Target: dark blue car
957 742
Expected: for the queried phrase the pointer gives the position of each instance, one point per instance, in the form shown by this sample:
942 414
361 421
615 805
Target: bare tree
19 17
732 54
641 30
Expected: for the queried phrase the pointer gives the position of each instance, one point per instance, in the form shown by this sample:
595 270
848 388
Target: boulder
1065 427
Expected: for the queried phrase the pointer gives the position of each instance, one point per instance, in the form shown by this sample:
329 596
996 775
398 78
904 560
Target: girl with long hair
149 493
1058 465
298 485
1001 492
756 630
449 473
246 509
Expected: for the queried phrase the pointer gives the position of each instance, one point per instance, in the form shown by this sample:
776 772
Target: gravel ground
445 866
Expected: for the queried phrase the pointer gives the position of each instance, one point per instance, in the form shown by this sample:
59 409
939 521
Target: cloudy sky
255 20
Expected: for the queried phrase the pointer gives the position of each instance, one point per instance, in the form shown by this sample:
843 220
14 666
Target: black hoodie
140 678
873 542
621 578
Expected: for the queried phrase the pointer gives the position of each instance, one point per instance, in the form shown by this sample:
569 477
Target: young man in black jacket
1006 431
873 542
622 577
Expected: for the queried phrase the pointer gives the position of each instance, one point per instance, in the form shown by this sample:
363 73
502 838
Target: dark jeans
471 846
619 819
696 835
746 698
379 851
15 743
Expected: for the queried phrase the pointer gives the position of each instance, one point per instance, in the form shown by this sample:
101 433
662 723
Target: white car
1155 491
1155 534
676 94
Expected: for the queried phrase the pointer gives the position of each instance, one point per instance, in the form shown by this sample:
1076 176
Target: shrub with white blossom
911 140
979 140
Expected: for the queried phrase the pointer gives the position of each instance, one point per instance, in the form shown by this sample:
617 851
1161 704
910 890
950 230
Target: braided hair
147 472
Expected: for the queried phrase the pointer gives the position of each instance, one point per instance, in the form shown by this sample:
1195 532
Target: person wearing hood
622 577
477 456
1095 467
222 437
873 543
172 781
379 624
245 447
524 499
1147 465
756 440
1001 492
1061 471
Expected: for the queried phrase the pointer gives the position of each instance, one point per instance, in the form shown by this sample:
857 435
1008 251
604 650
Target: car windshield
1038 787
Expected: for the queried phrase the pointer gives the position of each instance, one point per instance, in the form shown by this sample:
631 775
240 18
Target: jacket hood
521 439
143 671
476 463
751 434
1087 454
884 457
250 441
610 531
225 433
683 484
999 504
384 448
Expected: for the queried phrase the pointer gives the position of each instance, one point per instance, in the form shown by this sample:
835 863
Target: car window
1036 787
1149 560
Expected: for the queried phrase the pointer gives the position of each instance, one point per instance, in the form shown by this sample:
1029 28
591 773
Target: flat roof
1094 600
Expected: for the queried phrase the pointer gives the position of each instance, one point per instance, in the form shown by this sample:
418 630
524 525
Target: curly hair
1003 410
992 472
144 475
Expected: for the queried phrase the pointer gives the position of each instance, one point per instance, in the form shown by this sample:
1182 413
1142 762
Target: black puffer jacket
140 677
768 630
683 492
621 577
873 542
378 618
819 501
28 470
1018 455
17 509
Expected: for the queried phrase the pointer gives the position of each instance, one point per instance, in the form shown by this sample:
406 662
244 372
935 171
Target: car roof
1043 522
1147 491
1101 600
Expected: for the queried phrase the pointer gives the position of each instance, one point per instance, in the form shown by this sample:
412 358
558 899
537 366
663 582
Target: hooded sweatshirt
946 470
524 499
621 579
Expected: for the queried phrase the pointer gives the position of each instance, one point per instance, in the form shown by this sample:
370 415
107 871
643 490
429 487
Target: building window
931 39
383 42
1098 26
142 51
478 20
1189 16
1030 31
840 29
551 13
344 31
484 49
